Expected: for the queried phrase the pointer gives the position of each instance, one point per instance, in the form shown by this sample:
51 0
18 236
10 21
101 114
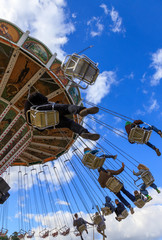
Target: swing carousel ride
51 160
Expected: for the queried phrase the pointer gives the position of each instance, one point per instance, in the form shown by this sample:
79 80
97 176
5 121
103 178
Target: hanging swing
30 234
21 234
114 185
44 233
106 211
139 135
3 232
80 67
64 230
93 162
54 232
147 178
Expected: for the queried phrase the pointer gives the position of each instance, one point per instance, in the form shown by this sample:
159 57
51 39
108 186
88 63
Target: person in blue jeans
130 125
104 176
96 151
109 204
143 169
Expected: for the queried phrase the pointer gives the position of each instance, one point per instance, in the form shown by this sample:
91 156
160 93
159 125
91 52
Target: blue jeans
155 130
143 188
128 194
106 156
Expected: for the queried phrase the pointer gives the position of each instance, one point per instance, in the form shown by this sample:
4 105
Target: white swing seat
42 119
3 232
64 231
91 161
123 215
80 67
139 203
44 233
30 234
21 234
106 211
96 219
139 135
147 178
114 185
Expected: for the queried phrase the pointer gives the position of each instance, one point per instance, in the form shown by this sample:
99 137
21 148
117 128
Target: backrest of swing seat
91 161
106 211
55 234
114 185
139 203
4 187
139 135
125 213
96 219
82 228
44 119
86 71
147 178
102 227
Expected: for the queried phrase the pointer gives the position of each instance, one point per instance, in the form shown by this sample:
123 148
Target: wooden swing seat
80 67
114 185
106 211
42 119
139 135
91 161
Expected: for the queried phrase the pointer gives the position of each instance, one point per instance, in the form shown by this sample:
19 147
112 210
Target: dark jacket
106 174
78 222
119 209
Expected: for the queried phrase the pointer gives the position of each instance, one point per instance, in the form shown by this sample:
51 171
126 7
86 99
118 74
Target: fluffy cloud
102 86
153 105
157 65
117 21
46 20
96 26
105 8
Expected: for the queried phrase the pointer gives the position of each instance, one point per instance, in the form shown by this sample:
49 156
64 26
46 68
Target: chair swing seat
44 233
64 231
96 219
21 234
101 227
147 178
139 203
139 135
30 234
54 232
114 185
80 67
3 232
91 161
106 211
42 119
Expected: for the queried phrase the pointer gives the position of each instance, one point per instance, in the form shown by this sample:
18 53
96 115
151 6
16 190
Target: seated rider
101 226
142 169
140 196
37 99
104 175
119 209
109 204
130 125
95 152
79 222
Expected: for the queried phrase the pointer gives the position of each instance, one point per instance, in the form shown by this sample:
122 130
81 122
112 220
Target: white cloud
154 106
117 21
105 8
102 86
46 20
61 202
157 65
96 26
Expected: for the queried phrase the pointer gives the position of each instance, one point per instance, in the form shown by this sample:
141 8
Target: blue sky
127 37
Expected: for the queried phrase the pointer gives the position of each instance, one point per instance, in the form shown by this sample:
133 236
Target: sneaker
115 156
158 191
149 198
90 136
131 210
118 219
157 151
160 133
87 111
